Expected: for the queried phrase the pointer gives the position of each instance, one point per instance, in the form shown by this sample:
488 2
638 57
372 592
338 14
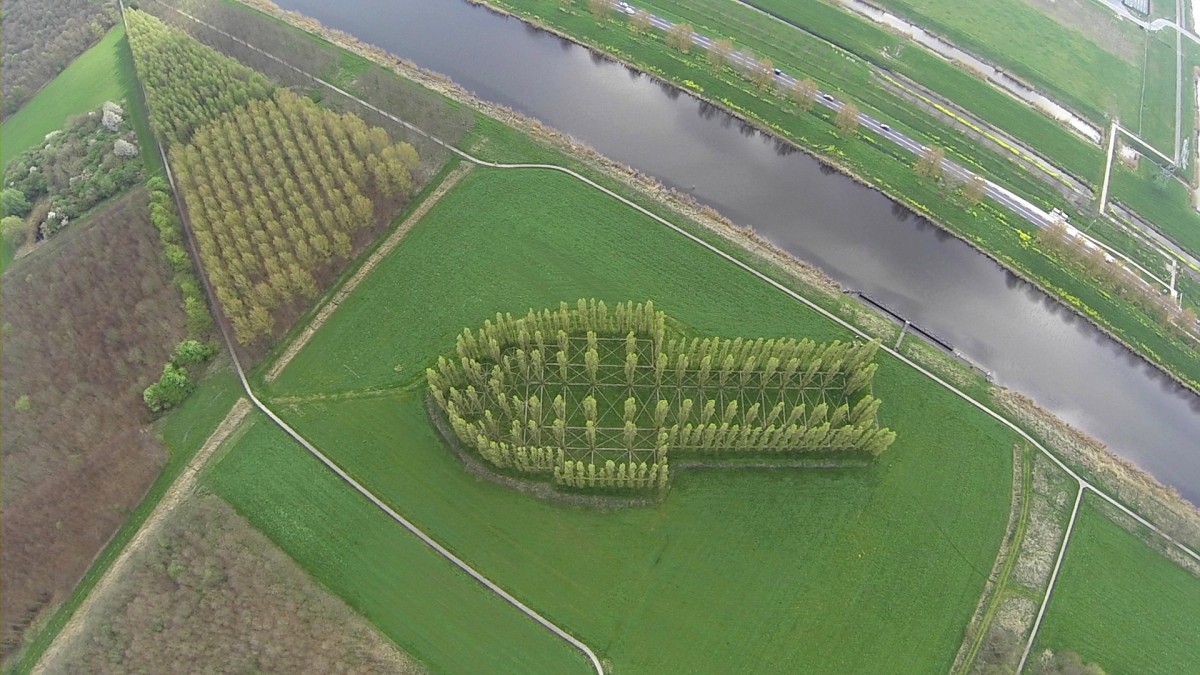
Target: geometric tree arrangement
598 399
277 191
280 192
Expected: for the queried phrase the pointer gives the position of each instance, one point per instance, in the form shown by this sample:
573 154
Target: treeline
41 38
277 190
186 83
178 377
594 405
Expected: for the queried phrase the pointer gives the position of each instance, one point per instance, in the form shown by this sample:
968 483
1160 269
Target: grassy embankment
799 52
1003 235
876 45
183 432
763 556
1121 604
1098 81
102 73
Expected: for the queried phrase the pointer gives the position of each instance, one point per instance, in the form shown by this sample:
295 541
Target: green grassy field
438 614
1168 206
1120 604
1095 80
770 560
98 75
887 50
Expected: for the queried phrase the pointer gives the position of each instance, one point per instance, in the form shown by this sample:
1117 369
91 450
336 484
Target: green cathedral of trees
594 398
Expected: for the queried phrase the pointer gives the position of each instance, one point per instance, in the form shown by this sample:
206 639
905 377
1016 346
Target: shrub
170 390
192 351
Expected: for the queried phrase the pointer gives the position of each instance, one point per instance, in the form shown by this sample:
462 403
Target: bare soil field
210 594
89 319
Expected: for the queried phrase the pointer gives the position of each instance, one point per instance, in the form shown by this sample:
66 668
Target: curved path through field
226 333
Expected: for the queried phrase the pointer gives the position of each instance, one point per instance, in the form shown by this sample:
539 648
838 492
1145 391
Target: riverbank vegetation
998 232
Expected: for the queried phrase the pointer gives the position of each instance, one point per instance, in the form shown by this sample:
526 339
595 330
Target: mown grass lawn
1120 604
767 571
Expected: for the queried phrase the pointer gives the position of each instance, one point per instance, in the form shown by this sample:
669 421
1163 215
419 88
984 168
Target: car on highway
827 97
884 127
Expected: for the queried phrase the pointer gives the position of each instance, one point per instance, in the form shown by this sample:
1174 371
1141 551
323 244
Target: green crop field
437 613
771 570
1167 204
1097 80
1120 604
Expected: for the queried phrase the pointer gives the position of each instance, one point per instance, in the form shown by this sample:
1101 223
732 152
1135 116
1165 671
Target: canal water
856 235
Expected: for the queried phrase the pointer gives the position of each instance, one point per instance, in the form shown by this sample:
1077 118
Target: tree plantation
276 194
277 187
186 83
598 398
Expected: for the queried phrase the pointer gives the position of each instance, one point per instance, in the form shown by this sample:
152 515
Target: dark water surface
857 236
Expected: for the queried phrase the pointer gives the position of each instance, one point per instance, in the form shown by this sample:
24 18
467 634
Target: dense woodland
77 451
210 594
404 98
186 83
278 191
600 398
40 38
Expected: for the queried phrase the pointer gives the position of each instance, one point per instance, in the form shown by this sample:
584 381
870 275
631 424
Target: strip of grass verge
183 431
763 557
428 607
1120 604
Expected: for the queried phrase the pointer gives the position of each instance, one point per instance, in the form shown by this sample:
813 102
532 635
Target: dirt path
380 253
179 490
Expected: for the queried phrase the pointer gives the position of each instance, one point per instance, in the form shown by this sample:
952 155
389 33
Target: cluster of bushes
41 37
176 381
91 159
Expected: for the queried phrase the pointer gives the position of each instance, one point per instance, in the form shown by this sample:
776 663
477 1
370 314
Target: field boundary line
1062 552
1083 483
181 488
366 268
